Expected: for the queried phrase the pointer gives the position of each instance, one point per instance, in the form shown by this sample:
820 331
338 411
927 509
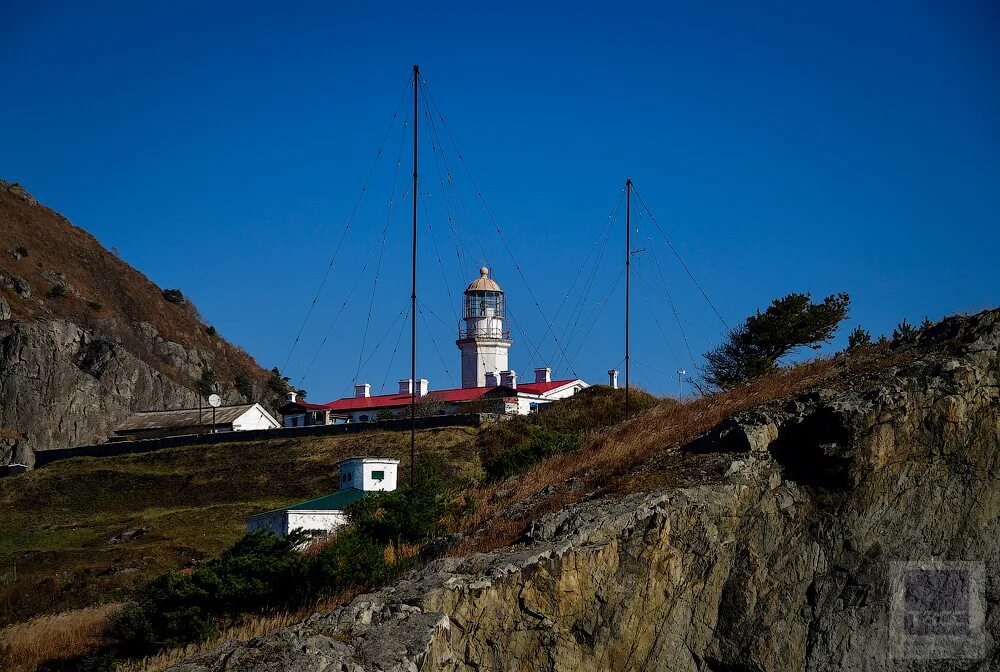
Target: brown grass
8 433
96 275
23 646
648 443
253 626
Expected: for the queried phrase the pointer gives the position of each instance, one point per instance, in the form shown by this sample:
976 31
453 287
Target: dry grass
8 433
610 460
254 626
24 645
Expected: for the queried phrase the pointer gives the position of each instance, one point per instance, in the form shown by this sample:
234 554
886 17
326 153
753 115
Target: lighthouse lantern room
483 335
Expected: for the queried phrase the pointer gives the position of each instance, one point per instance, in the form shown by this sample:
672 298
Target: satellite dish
214 401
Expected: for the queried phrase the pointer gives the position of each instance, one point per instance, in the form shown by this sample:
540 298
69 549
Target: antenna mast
413 295
628 273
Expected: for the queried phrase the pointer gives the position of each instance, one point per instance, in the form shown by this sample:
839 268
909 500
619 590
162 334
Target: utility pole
413 295
628 273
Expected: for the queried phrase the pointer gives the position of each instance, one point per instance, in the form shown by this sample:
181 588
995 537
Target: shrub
263 572
410 515
174 296
277 383
211 331
902 331
21 250
96 306
58 292
244 385
789 323
858 338
206 384
540 444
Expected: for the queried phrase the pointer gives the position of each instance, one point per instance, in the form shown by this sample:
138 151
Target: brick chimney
492 379
543 375
613 379
362 390
423 387
292 396
508 379
405 386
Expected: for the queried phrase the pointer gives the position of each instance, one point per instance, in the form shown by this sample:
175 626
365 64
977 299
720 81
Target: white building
488 382
177 422
358 476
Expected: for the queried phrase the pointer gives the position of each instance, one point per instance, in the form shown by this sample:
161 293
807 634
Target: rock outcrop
787 563
86 340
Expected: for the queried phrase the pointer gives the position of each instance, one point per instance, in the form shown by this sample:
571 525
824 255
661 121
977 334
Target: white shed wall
254 418
276 521
361 475
316 520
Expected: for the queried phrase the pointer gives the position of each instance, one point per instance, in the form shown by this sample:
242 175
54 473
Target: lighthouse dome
484 283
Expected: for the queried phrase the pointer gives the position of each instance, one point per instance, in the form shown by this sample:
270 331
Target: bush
789 323
278 383
244 385
96 306
206 384
211 331
21 251
405 515
540 444
58 292
902 331
174 296
262 572
858 338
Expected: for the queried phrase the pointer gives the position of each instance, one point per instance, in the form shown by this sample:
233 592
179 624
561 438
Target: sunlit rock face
786 564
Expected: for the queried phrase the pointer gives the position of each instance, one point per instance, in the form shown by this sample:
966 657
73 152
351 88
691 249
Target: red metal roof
294 407
458 395
542 388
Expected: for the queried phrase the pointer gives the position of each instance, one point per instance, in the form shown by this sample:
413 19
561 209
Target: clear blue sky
849 147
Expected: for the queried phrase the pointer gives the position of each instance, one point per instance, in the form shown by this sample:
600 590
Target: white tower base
480 355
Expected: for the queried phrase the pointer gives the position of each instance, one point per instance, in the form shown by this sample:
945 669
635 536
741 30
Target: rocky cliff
789 561
85 339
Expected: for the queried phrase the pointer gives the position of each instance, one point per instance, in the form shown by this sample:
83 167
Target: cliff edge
86 340
788 561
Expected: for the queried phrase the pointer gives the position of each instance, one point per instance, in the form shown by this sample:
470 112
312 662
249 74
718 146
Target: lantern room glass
477 304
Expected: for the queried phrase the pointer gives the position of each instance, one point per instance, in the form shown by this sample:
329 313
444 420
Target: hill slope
775 546
58 546
85 339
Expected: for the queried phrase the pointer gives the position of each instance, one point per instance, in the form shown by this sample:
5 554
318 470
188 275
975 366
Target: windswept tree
756 346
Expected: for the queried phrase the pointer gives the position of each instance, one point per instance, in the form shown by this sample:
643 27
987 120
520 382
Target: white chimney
422 387
292 396
543 375
405 386
492 379
362 390
613 375
508 379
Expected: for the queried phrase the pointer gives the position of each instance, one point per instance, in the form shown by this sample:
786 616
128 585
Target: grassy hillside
73 277
55 537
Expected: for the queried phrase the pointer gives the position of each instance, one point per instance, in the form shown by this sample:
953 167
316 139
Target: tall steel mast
413 294
628 273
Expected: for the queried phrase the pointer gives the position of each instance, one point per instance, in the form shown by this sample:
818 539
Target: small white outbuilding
358 477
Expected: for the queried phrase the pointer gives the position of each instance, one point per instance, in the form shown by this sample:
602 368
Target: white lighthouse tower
483 336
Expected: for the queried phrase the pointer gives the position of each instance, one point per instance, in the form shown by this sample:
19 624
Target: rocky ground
789 562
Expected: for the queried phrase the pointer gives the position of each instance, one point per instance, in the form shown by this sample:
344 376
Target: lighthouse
483 335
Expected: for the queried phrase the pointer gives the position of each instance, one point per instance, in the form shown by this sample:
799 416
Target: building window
363 418
378 475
